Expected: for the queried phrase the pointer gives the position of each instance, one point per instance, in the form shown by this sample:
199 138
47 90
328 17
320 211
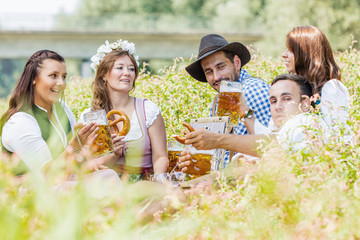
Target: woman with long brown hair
309 54
38 125
143 150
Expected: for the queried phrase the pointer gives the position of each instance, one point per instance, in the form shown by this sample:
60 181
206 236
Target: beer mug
102 144
200 164
230 101
174 150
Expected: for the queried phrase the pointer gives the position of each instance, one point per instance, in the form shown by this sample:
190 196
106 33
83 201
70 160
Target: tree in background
115 14
10 71
237 15
338 19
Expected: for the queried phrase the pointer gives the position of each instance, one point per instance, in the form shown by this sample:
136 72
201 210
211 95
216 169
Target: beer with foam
229 101
102 144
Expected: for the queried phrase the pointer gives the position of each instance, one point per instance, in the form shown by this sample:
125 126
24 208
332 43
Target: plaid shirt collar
243 74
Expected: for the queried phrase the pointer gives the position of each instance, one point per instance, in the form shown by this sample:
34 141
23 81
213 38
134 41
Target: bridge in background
81 45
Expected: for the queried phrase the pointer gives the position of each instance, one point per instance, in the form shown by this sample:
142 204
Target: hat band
208 49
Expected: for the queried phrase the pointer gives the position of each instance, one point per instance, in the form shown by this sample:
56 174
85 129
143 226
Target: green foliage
177 94
9 70
314 195
337 19
270 18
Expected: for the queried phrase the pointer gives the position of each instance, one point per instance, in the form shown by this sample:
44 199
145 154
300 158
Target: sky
37 6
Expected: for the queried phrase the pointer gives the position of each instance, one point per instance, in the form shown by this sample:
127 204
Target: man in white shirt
289 100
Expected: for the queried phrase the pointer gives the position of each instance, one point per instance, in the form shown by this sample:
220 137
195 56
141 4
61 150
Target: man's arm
203 139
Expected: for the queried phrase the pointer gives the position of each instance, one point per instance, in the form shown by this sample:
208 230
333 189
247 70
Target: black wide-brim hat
213 43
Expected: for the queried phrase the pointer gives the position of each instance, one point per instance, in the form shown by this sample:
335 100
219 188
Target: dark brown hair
23 93
101 98
230 55
313 55
304 85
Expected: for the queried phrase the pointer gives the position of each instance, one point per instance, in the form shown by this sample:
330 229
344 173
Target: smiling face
218 67
289 58
49 83
285 101
122 75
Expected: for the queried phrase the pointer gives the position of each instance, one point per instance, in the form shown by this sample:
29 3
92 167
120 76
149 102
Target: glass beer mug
174 150
102 144
229 101
201 162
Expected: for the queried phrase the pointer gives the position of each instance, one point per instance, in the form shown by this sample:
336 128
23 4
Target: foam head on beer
229 101
230 86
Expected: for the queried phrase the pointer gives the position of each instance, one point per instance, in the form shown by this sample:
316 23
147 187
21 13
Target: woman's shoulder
148 104
151 104
334 86
151 111
20 122
335 92
21 118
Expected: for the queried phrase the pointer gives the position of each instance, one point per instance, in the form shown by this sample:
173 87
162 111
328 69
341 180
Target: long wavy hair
101 99
23 94
314 58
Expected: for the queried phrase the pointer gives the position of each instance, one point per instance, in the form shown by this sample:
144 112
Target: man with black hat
220 60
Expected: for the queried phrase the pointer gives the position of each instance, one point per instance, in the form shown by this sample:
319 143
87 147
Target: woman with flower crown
143 150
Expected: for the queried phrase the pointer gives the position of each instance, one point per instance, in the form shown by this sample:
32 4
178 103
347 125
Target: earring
34 82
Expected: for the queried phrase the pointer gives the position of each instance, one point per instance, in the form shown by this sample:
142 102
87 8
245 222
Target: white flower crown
107 47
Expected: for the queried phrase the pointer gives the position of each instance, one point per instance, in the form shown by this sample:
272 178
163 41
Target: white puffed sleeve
22 135
334 108
151 112
334 102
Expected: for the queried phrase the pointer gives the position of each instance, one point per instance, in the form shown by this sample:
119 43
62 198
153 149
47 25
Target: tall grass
297 196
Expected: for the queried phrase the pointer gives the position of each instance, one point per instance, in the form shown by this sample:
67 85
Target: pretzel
123 118
182 139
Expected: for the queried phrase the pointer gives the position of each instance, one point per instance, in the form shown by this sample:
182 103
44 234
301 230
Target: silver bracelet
74 149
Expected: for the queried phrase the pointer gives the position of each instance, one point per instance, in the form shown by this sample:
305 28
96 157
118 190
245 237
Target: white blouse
292 136
22 135
334 104
334 111
151 113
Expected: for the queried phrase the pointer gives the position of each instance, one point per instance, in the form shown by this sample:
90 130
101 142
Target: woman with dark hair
38 125
309 54
143 150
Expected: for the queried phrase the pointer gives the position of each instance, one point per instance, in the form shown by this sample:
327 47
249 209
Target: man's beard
233 77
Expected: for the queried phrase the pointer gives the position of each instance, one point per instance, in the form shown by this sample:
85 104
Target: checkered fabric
257 98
